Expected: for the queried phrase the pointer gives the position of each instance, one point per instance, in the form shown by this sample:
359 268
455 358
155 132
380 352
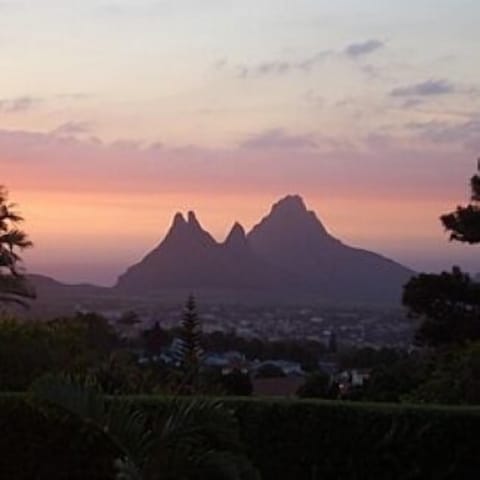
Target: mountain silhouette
190 258
294 239
290 252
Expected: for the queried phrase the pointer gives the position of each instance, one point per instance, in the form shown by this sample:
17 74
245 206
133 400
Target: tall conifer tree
190 342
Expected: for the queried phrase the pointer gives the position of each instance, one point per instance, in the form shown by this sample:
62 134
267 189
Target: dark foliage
190 338
269 370
28 350
396 381
319 385
284 439
454 378
446 375
236 383
83 345
14 287
369 357
156 339
464 222
448 306
189 440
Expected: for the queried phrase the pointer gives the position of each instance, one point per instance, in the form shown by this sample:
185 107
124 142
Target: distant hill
47 287
289 253
55 298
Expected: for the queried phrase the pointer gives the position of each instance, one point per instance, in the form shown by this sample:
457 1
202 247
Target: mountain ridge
288 251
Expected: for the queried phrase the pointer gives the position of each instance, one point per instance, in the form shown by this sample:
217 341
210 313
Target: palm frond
128 427
194 439
208 419
225 465
7 299
126 470
124 426
15 238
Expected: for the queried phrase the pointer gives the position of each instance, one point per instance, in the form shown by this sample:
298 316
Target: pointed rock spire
192 220
196 230
178 228
178 220
237 237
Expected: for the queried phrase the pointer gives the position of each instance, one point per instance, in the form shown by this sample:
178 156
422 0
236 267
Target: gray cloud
281 67
18 104
278 138
355 50
466 133
412 103
371 71
220 64
72 129
306 65
425 89
312 98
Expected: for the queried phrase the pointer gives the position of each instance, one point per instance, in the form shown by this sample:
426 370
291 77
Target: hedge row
301 440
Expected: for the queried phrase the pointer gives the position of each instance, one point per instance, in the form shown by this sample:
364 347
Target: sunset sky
116 114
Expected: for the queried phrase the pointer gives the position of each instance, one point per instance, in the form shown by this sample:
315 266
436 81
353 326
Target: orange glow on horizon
118 230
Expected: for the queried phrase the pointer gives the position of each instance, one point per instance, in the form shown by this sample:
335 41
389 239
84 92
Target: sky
114 115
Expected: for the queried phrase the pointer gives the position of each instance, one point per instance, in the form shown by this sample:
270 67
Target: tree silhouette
14 287
189 345
155 339
449 303
464 222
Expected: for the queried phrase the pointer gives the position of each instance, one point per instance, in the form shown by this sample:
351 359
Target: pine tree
189 346
14 287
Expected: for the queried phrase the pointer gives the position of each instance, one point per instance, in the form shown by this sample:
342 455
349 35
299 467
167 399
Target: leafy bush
454 379
29 350
318 385
269 370
284 439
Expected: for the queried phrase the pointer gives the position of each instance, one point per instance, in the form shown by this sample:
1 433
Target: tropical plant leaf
193 440
123 425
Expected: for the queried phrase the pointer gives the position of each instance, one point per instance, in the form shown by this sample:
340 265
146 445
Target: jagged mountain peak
289 217
237 236
192 220
178 220
237 230
290 204
288 250
185 232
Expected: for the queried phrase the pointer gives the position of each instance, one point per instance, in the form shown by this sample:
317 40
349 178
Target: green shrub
285 439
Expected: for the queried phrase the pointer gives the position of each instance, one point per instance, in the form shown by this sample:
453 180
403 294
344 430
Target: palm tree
14 288
193 440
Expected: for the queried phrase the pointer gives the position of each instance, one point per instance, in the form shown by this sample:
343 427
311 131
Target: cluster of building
354 327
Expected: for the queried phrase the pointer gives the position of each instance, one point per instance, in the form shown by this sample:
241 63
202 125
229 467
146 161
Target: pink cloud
274 161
